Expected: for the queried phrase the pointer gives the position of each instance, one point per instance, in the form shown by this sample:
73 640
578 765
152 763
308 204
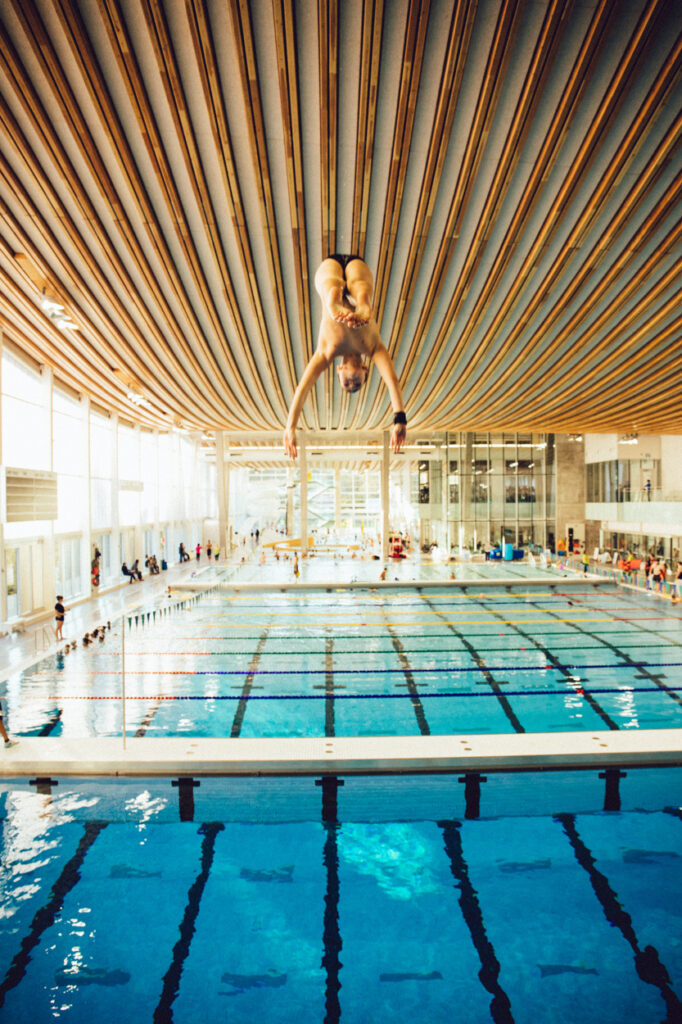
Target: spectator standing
216 552
677 583
647 488
59 613
198 552
209 548
662 573
3 731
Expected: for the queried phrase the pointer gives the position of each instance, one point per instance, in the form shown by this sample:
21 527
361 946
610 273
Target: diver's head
352 373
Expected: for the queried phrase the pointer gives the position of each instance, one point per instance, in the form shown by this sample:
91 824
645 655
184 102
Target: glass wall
621 480
500 487
120 488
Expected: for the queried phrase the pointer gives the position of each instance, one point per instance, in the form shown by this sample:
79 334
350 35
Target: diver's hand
290 442
398 436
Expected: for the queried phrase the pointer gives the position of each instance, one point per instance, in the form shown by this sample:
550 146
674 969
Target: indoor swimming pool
341 900
363 661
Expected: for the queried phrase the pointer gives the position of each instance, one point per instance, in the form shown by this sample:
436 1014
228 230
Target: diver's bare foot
335 307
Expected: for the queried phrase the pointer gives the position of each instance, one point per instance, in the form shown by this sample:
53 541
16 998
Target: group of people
656 574
135 573
211 551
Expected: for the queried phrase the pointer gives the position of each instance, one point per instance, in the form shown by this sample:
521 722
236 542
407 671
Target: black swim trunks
342 259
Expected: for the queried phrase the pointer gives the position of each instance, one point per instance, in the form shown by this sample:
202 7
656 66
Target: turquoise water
363 662
349 900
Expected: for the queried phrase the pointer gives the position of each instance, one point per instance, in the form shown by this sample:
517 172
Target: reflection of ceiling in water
172 174
395 855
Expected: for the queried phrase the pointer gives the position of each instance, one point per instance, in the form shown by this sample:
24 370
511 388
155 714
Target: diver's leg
330 285
360 286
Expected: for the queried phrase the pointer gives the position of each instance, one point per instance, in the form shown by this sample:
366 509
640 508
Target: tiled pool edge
83 757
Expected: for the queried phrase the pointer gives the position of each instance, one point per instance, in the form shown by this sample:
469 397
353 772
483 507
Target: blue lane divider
386 671
408 696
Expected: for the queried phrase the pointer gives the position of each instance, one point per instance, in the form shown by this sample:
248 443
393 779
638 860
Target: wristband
400 417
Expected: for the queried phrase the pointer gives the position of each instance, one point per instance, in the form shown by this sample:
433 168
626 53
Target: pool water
335 900
363 662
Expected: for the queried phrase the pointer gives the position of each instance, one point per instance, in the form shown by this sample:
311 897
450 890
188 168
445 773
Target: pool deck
42 757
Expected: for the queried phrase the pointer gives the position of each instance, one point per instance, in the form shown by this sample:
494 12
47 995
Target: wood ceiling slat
248 70
611 102
155 352
558 355
285 37
328 70
215 106
368 95
185 138
572 326
142 364
101 102
556 18
583 67
484 113
124 52
412 60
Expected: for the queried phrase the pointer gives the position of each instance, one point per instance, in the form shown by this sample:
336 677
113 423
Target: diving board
144 756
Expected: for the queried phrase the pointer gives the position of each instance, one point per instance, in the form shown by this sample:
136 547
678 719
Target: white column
222 483
115 519
3 574
444 496
87 511
337 499
303 455
384 494
49 544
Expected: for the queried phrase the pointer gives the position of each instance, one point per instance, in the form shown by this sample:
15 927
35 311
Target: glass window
424 490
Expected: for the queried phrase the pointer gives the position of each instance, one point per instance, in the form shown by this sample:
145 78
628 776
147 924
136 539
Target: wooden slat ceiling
173 171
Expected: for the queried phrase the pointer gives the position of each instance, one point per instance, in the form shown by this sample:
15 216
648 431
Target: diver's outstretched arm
384 365
317 365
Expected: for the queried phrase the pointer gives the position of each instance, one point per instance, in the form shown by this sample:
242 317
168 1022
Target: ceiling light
628 439
575 437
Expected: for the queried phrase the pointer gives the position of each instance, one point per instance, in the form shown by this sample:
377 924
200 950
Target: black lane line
409 678
51 723
565 672
329 723
46 915
647 963
163 1014
489 678
148 718
500 1006
332 942
246 687
656 678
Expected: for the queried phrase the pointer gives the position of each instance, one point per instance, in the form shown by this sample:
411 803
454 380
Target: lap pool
344 661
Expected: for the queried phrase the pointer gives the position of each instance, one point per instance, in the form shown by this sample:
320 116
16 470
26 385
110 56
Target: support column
86 571
384 494
304 493
570 487
223 485
115 518
49 583
3 571
444 498
337 499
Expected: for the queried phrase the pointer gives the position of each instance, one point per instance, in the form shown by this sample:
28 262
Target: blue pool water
339 900
369 662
